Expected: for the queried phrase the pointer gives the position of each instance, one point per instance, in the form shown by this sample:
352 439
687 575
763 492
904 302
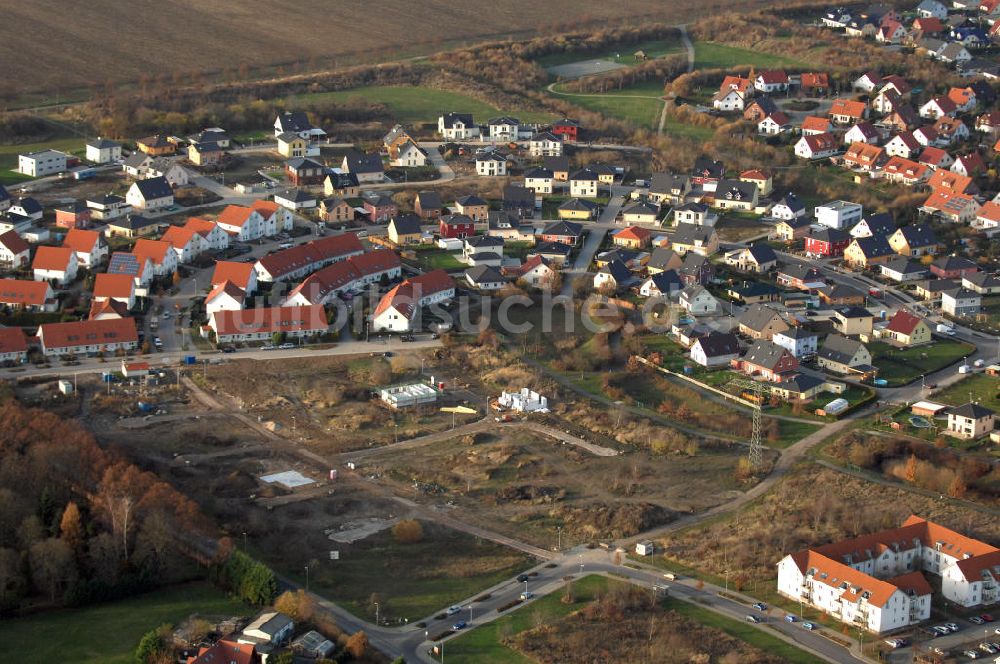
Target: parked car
752 618
986 617
521 578
760 606
452 610
268 347
286 346
790 618
229 349
808 625
459 625
952 627
526 595
976 620
971 654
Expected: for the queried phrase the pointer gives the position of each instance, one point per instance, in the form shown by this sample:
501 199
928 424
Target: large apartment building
876 582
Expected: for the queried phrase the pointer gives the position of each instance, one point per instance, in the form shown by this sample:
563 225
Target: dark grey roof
797 333
483 274
551 248
484 241
706 167
735 190
556 164
949 263
692 207
718 344
450 119
296 195
518 196
103 143
918 235
937 285
470 199
666 281
762 254
361 162
904 265
854 312
502 219
642 207
839 348
579 205
763 353
830 235
136 159
563 228
792 202
874 246
584 174
456 220
983 279
800 272
766 104
692 234
132 222
661 257
837 291
405 224
430 200
3 194
154 188
623 255
295 121
665 183
754 289
801 383
342 180
972 411
881 223
504 120
618 270
538 173
377 198
299 163
758 316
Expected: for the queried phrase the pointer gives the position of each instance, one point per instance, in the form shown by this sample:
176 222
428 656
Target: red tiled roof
81 241
15 243
947 126
898 82
297 257
53 258
23 292
815 123
848 107
272 319
773 76
225 651
227 287
201 226
88 333
961 96
931 155
972 162
178 236
863 153
734 83
905 167
989 211
113 285
948 201
945 104
903 322
103 307
235 215
820 142
633 233
406 295
12 340
265 208
754 174
908 140
929 26
942 179
154 250
815 80
238 273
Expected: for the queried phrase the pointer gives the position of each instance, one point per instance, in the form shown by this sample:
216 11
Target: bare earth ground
528 486
123 41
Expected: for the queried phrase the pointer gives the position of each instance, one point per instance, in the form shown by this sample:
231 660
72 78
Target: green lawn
637 112
8 155
984 389
432 259
901 366
410 581
653 49
710 55
743 631
482 645
419 104
108 633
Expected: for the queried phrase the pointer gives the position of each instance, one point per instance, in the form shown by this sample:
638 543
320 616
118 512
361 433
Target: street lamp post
470 614
244 541
376 614
559 529
307 578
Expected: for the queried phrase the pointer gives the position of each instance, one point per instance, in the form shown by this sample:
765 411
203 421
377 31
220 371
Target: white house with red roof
226 296
57 264
14 251
117 287
771 81
399 309
877 580
88 337
938 107
302 259
216 239
817 146
13 346
351 275
813 124
537 271
242 274
862 132
160 254
27 295
775 123
90 246
243 223
186 243
260 324
903 145
139 268
988 218
906 329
